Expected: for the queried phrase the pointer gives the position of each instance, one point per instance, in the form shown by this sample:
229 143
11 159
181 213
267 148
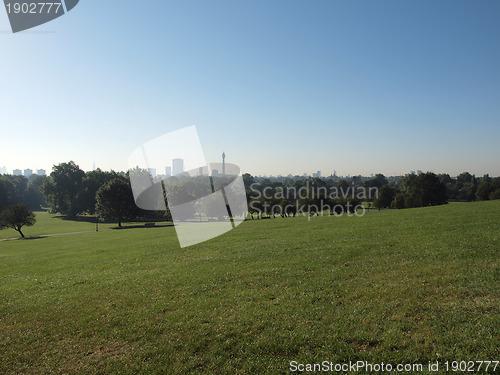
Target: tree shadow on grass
92 220
25 238
134 226
84 219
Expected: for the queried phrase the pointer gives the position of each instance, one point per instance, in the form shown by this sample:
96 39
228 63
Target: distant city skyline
318 173
354 87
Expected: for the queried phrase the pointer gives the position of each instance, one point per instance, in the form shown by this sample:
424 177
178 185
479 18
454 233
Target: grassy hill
406 286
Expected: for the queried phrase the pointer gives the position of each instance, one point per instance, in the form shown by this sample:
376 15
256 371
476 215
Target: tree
484 189
62 189
426 190
115 201
399 201
4 196
377 181
385 197
34 186
17 216
93 180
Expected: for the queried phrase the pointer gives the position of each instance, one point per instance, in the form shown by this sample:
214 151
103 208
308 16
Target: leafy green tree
465 177
495 194
384 198
377 181
288 207
115 201
4 196
61 191
211 207
399 201
91 183
484 189
17 189
17 216
406 182
426 190
35 185
495 188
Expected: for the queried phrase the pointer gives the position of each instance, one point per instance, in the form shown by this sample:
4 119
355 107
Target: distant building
223 162
28 172
177 166
17 172
317 174
152 172
215 172
3 170
168 171
41 172
200 171
419 172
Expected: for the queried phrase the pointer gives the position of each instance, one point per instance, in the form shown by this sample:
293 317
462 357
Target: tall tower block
223 163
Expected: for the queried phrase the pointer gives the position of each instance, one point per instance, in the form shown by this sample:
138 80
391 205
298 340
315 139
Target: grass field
398 286
47 223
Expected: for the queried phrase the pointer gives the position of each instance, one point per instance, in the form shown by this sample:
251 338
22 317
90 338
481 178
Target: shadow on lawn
92 220
163 225
23 239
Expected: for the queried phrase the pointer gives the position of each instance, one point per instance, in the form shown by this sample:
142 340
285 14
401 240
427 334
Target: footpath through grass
407 286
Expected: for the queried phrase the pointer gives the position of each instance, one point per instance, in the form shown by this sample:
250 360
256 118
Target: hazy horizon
310 172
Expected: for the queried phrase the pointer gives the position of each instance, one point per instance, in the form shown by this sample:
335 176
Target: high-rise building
28 172
17 172
152 172
3 170
223 163
168 171
177 166
41 172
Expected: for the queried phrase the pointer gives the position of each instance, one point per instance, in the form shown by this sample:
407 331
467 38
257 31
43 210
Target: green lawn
47 223
398 286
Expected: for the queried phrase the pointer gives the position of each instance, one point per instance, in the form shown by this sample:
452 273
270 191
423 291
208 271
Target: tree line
108 194
408 191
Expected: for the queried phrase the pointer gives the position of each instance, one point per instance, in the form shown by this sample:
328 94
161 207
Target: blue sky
282 87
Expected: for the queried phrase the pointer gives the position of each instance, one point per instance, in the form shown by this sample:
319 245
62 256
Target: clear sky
282 87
